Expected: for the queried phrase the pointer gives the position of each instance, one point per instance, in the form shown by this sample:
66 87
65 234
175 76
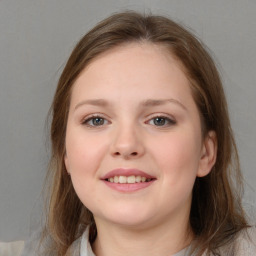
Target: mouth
127 180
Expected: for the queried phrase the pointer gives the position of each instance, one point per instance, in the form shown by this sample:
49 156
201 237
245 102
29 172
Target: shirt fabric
86 250
243 245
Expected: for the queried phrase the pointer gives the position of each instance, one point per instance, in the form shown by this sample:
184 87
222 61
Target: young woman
144 160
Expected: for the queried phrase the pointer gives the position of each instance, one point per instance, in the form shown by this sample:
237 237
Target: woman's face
133 143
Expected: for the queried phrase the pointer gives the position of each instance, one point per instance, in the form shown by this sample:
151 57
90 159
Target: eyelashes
95 121
99 121
161 121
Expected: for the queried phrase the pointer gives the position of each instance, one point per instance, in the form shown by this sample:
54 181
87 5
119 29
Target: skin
153 220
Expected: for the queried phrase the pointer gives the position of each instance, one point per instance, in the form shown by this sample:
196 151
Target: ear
66 162
208 154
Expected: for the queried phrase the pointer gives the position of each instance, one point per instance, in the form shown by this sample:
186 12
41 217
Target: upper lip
126 172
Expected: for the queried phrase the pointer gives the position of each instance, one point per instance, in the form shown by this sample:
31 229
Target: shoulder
74 249
31 247
244 244
81 246
34 246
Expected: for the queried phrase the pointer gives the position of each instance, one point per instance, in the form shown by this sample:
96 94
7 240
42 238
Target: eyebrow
159 102
146 103
96 102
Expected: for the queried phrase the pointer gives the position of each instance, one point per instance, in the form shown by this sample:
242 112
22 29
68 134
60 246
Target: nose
127 143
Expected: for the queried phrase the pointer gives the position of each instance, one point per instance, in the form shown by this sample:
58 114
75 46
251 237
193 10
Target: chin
132 218
132 223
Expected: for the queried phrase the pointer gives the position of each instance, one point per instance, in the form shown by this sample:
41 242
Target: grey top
243 245
86 250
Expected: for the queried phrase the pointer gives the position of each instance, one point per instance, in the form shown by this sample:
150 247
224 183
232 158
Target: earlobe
208 154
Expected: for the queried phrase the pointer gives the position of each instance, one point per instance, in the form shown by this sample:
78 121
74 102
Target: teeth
130 179
138 179
122 179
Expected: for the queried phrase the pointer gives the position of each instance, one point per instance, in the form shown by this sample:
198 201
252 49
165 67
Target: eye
161 121
95 121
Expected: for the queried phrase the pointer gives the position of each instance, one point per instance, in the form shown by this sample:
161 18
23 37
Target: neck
166 239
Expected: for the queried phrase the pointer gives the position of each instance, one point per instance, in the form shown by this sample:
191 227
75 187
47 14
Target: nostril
126 155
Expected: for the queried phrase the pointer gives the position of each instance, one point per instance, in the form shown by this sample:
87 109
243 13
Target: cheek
84 153
179 155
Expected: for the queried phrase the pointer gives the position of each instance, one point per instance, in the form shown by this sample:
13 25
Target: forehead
133 63
133 71
134 52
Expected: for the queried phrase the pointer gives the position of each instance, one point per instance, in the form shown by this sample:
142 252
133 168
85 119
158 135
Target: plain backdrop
36 38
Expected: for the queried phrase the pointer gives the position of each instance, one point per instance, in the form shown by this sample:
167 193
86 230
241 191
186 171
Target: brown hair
216 211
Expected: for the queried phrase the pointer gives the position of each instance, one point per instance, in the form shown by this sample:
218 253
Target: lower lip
128 187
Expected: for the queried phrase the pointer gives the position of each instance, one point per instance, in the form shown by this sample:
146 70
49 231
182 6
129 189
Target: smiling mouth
128 179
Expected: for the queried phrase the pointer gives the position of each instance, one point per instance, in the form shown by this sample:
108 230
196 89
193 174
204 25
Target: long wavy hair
216 212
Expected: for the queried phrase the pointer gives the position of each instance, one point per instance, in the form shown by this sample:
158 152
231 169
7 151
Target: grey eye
160 121
97 121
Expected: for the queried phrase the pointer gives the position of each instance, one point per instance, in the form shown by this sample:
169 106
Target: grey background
36 38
